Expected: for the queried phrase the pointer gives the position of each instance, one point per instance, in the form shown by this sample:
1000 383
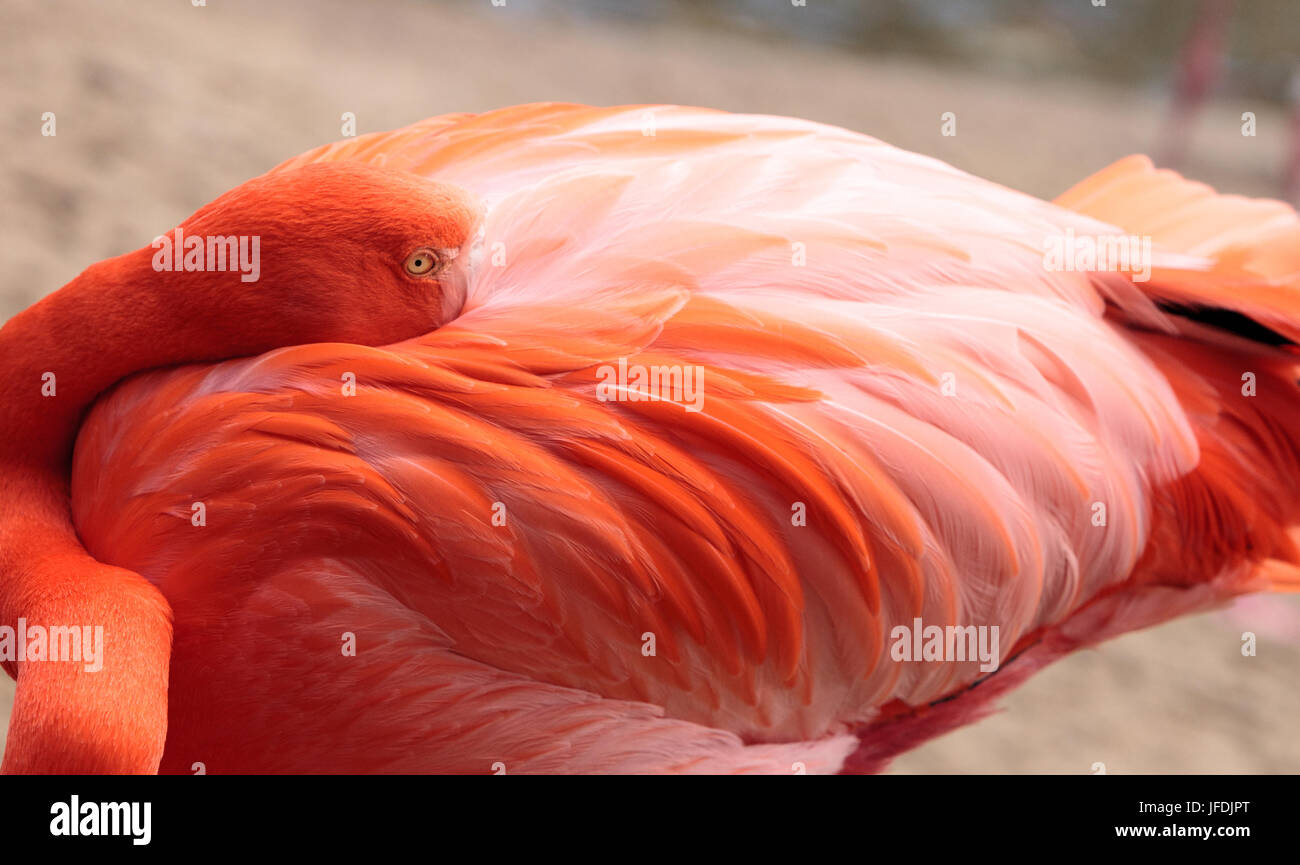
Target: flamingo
383 509
1199 67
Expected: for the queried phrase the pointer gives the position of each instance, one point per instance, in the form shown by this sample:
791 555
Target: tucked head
333 252
345 253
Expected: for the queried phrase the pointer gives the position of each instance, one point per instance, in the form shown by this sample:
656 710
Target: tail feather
1215 251
1237 513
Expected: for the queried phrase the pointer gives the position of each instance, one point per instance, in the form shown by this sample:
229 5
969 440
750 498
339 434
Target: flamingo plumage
884 352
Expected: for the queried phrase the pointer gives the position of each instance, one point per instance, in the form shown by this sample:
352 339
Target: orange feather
436 537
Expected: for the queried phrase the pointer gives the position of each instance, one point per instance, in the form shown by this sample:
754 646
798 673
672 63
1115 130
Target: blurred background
161 105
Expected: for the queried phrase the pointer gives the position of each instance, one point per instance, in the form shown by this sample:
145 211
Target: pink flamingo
411 501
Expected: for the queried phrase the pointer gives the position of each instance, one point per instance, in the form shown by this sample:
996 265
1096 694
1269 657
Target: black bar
639 816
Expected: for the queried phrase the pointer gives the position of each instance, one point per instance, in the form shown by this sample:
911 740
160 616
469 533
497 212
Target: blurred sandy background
161 106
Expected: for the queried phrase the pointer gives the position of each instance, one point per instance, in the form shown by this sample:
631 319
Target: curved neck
57 356
118 317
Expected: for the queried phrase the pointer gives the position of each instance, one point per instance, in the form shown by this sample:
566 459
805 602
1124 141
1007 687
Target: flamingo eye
420 262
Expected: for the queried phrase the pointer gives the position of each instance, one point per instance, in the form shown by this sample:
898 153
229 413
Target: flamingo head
329 252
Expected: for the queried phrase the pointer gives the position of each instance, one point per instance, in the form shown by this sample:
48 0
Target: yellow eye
420 262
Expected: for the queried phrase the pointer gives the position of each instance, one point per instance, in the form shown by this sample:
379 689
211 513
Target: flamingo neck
118 317
57 356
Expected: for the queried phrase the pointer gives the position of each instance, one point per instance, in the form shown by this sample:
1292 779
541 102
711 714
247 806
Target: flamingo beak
458 275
